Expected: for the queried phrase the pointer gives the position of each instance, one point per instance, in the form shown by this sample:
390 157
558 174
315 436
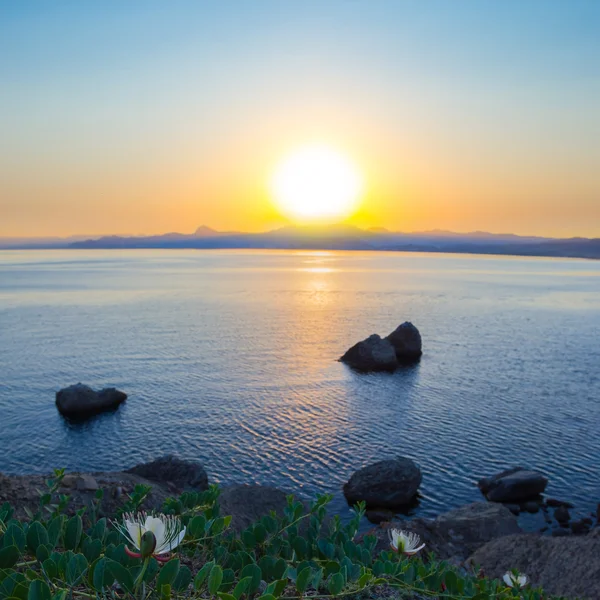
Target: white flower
515 580
167 530
405 542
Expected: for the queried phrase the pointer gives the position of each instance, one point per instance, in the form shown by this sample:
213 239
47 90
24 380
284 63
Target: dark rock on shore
562 515
407 342
564 566
513 485
455 535
181 474
247 503
531 506
380 515
22 491
372 354
385 484
80 401
581 526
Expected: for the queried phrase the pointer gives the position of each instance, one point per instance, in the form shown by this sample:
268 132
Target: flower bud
148 544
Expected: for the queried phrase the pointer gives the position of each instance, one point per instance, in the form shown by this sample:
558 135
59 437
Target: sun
316 184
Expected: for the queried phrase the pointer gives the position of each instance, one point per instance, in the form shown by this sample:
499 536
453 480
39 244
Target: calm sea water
229 358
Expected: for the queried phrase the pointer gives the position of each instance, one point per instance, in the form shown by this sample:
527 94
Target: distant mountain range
332 237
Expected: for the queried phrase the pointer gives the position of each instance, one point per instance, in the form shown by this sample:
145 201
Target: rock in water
372 354
385 484
513 485
183 474
406 341
81 400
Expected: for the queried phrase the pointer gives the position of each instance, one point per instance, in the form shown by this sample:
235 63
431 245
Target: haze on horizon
149 117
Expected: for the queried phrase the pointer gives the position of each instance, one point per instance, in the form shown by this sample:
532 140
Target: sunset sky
147 117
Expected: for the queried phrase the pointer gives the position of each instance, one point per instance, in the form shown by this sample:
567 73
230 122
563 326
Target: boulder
181 474
406 341
385 484
80 401
372 354
513 485
562 515
566 566
380 515
247 503
455 535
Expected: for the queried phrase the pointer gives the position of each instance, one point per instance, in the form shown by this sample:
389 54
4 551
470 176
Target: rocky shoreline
486 534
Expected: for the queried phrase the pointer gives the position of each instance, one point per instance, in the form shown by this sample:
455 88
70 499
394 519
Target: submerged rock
372 354
183 474
80 401
385 484
406 341
513 485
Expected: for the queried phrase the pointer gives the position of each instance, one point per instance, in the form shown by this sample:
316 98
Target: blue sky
463 92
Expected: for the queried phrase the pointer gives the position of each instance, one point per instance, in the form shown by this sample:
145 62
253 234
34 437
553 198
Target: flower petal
157 527
135 531
169 546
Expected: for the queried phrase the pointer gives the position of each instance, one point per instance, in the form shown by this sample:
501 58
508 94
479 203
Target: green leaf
101 577
50 568
168 573
99 530
9 557
253 571
42 553
279 568
202 575
36 536
215 579
303 579
60 595
218 526
300 547
335 584
76 568
267 597
120 573
326 548
277 587
182 580
73 533
260 533
224 596
241 587
39 590
248 538
55 529
363 580
14 536
196 526
316 583
165 592
91 548
14 585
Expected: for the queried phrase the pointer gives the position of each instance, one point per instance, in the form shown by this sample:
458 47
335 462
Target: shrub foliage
303 553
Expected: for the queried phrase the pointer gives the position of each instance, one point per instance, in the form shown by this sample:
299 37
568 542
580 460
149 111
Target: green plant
298 554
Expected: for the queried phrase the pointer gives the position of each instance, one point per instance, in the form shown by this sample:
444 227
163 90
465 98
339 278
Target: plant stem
140 577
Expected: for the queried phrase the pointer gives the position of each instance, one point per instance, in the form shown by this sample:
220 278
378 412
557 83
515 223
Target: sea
230 358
